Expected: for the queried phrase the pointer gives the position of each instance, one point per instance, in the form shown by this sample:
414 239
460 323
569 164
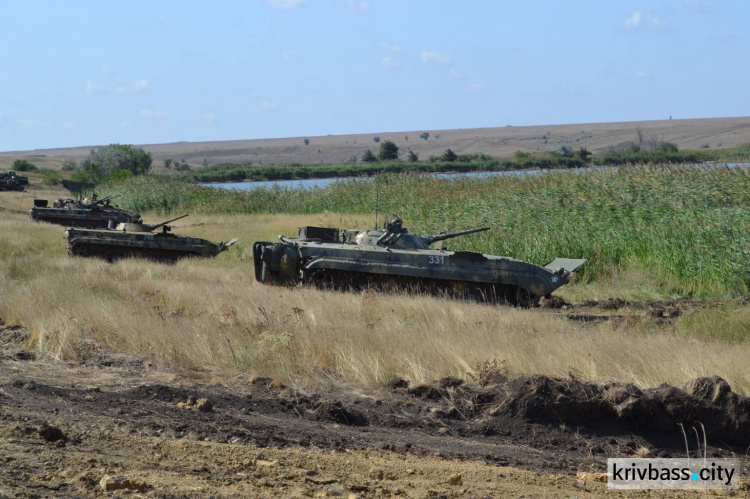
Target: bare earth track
116 423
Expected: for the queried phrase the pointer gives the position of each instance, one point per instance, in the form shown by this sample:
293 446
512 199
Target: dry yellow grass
211 316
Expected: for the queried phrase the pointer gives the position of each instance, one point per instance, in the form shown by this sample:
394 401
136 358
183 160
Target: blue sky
142 72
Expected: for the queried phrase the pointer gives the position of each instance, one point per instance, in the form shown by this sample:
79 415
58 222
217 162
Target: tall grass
687 227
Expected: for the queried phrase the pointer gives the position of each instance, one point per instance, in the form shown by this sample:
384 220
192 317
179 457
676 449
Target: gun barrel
443 237
107 198
168 221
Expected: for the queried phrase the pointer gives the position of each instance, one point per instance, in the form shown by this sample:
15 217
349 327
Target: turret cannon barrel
442 237
154 227
103 200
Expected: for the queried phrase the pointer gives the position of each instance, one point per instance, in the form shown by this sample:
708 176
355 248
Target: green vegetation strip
687 227
566 157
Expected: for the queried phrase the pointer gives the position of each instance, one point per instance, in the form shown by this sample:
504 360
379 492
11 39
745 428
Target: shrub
449 156
51 178
369 157
22 165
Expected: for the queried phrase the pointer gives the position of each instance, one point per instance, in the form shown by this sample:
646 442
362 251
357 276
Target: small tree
369 157
565 151
51 178
307 142
388 151
449 156
21 165
376 139
167 163
424 135
584 154
413 158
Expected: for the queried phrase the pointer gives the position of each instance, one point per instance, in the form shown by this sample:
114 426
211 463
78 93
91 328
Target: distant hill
500 142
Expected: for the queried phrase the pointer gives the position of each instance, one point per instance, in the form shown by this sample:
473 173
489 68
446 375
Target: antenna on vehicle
377 201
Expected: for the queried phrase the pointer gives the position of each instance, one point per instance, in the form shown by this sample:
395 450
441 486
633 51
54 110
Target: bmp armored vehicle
94 213
395 258
139 239
15 177
10 185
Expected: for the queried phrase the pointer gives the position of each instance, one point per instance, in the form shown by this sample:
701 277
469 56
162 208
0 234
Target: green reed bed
686 226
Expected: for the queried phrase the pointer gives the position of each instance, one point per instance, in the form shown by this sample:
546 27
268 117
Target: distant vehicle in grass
93 213
141 240
15 177
396 258
10 185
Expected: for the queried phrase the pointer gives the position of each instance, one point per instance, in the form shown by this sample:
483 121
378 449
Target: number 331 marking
440 260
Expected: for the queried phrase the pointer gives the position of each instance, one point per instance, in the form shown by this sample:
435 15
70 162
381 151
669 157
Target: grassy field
683 229
211 318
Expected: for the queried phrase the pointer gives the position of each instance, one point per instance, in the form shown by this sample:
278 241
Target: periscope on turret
395 258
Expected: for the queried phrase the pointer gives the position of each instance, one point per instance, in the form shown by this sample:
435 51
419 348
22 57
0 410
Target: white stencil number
437 260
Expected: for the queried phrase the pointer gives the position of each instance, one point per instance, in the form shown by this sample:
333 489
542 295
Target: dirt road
116 425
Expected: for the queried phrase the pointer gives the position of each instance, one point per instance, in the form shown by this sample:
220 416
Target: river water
313 183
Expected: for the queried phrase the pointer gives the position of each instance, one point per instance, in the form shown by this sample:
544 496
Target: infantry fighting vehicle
15 177
10 185
395 258
94 213
139 239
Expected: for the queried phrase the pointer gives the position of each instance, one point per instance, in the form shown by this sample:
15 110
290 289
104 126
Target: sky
83 73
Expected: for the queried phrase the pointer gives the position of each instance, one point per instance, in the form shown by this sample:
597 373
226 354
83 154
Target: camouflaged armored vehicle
395 258
142 240
12 176
94 213
10 185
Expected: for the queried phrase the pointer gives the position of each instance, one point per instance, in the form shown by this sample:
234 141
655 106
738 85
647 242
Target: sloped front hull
476 275
159 246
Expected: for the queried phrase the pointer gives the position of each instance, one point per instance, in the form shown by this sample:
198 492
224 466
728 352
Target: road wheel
78 249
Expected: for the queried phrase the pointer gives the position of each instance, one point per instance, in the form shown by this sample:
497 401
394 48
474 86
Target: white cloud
266 106
289 56
1 114
106 69
151 114
286 4
209 117
456 74
641 74
477 87
389 64
436 57
359 4
125 124
70 125
133 86
391 48
641 20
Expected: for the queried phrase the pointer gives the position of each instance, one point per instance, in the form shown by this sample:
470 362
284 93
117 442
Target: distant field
713 133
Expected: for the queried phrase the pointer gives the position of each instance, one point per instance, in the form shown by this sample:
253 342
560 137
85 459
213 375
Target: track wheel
323 279
78 249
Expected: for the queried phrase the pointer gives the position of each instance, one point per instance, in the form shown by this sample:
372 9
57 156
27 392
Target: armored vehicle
139 239
94 213
395 258
10 185
15 177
